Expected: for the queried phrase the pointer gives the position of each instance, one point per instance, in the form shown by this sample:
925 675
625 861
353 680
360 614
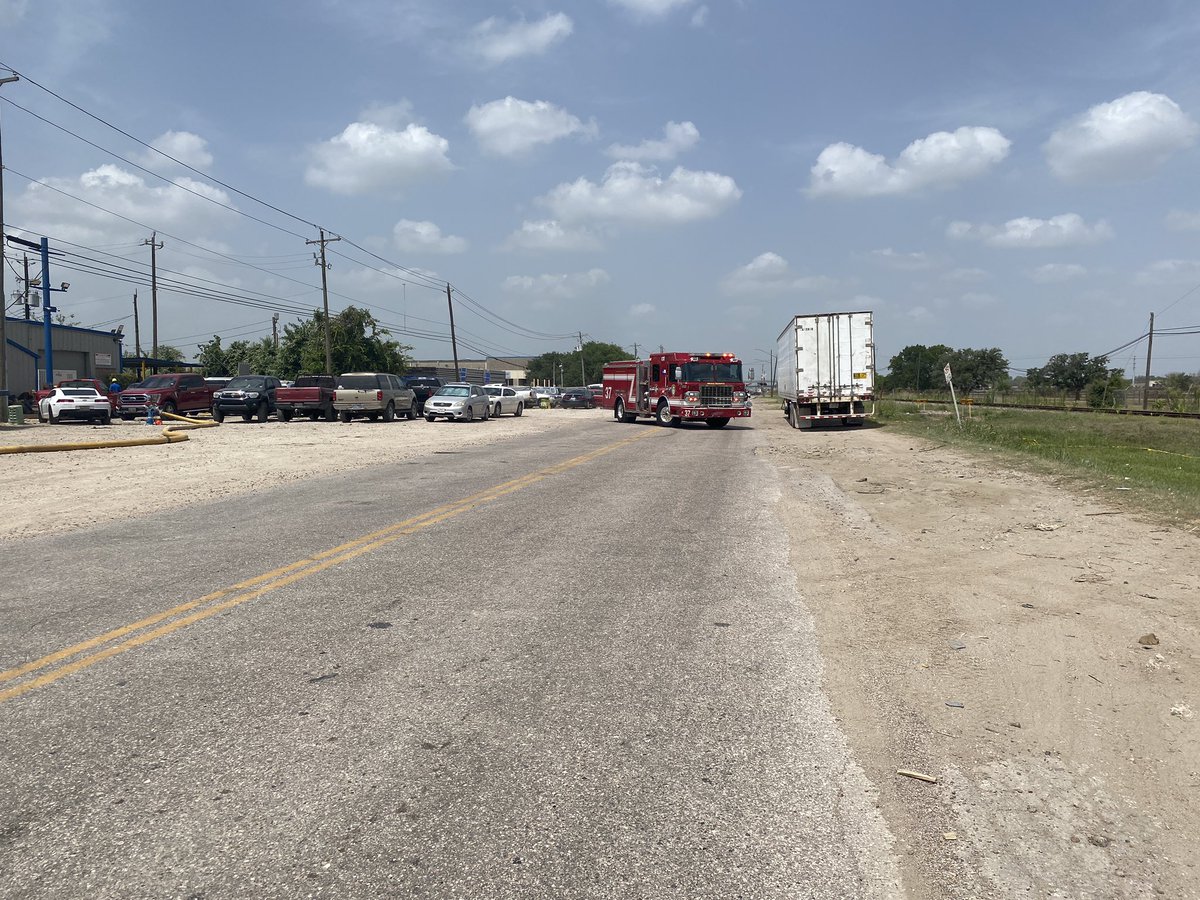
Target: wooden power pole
322 240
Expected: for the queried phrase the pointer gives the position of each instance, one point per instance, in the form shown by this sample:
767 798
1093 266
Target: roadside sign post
950 381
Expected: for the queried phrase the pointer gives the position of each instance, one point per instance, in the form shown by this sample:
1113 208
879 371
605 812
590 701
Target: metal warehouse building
75 353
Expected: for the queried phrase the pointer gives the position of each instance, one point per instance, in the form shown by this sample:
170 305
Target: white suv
458 401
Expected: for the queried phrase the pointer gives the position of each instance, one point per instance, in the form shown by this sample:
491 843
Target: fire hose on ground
171 434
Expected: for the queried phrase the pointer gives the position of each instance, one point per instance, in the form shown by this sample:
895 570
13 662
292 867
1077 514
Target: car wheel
373 417
389 412
344 415
41 415
246 417
285 415
330 413
470 414
106 420
169 408
431 418
497 410
217 415
520 409
126 417
262 412
54 420
410 413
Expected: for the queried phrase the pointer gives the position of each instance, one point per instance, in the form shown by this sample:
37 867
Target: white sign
946 372
104 360
65 375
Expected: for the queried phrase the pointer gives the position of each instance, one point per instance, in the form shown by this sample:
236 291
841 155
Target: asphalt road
570 667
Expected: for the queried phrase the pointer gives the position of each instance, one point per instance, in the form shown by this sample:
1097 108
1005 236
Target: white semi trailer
826 368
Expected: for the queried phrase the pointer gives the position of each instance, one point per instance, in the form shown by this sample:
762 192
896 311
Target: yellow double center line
128 637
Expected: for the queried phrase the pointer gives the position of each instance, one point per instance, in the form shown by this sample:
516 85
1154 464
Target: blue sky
688 173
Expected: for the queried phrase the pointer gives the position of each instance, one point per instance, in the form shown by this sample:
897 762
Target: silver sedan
458 401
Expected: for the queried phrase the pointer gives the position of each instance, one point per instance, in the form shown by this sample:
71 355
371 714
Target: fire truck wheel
717 423
664 414
618 410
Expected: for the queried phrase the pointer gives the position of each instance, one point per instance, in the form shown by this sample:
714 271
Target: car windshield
358 382
712 371
158 381
244 383
453 391
79 392
422 381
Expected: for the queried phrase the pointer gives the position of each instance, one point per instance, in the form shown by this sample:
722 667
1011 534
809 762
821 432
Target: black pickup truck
423 387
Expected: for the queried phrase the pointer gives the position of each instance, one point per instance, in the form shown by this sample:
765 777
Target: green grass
1156 460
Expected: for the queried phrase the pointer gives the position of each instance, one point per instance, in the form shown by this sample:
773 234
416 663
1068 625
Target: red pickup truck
311 395
173 392
102 389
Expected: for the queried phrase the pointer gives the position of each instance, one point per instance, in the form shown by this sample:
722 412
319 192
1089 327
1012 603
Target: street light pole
3 297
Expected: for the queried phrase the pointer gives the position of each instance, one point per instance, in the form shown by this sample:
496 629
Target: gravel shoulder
979 624
982 625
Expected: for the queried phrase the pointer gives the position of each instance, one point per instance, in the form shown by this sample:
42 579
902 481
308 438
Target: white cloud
769 273
1170 271
497 42
549 234
920 313
642 310
1067 230
906 262
700 17
1056 273
651 9
634 193
190 149
511 127
677 138
425 237
940 160
127 194
977 300
1178 220
565 286
369 156
1124 140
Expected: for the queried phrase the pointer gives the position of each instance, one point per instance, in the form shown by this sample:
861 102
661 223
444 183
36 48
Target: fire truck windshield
712 371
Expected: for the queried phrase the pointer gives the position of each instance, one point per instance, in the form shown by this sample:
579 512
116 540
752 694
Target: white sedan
505 400
75 403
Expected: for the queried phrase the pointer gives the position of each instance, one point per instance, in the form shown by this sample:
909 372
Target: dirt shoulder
982 625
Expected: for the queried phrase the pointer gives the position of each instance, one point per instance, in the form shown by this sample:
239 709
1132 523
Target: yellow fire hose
171 434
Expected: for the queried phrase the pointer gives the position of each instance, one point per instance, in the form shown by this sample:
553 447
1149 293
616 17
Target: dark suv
423 386
251 396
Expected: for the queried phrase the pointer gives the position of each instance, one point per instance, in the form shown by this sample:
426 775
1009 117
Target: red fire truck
677 387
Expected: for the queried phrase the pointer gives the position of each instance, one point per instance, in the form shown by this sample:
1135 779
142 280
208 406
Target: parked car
99 386
309 395
374 395
504 400
250 396
74 403
170 392
423 387
577 398
458 400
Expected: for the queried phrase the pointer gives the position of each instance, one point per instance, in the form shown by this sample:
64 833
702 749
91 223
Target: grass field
1139 462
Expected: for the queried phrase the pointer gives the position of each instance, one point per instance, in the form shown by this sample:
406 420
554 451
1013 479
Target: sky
683 173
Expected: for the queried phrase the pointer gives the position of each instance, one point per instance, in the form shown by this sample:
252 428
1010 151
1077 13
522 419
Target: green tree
595 355
1108 391
974 370
214 359
1075 371
1036 380
357 344
918 368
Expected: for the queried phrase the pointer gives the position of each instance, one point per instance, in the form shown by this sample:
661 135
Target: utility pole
3 298
137 331
1149 352
25 289
635 349
155 246
582 373
453 340
275 330
322 240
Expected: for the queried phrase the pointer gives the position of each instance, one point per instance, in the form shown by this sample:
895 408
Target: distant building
75 352
478 371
